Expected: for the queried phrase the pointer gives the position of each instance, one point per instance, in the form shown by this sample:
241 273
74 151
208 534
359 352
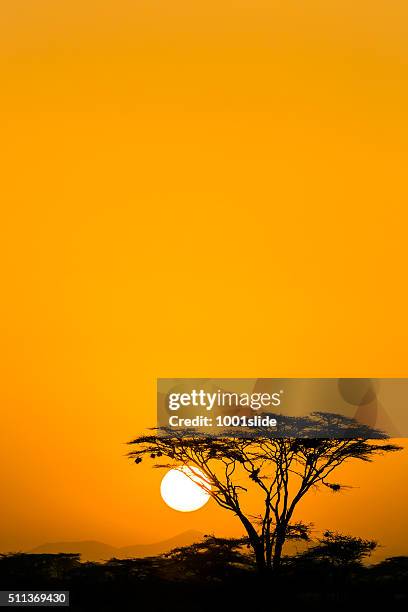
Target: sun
181 490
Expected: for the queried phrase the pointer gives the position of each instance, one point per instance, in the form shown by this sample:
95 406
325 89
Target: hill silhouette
92 550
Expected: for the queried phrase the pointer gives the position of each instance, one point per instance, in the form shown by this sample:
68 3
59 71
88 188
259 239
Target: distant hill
98 551
147 550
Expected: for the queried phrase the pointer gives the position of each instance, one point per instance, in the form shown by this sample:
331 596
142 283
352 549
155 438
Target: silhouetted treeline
214 573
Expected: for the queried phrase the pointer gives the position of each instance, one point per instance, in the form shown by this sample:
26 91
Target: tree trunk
279 542
259 558
256 543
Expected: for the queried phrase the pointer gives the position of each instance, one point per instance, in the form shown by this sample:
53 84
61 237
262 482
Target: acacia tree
284 469
338 550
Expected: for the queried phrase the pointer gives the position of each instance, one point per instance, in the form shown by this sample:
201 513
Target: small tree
212 559
339 550
284 469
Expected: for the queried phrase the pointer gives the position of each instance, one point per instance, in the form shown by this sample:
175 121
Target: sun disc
181 490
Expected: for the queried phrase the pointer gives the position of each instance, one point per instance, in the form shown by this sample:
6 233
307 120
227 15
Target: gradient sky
192 189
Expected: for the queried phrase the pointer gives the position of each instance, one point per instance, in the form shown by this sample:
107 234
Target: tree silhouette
338 550
213 558
284 469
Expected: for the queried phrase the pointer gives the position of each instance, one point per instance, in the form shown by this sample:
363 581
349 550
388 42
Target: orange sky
191 189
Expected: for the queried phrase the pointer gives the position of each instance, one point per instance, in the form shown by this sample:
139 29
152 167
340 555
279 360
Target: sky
204 189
